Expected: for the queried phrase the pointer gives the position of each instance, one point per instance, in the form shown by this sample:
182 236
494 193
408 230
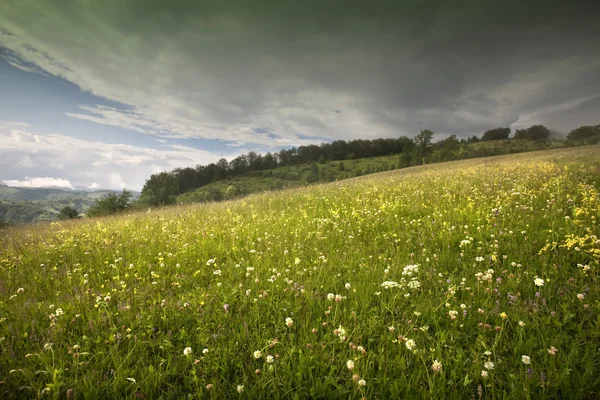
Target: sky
101 94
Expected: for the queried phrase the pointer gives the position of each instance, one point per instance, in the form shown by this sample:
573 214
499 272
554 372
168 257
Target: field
470 279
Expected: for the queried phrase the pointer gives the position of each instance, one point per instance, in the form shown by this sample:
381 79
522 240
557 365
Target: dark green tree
111 204
496 134
423 144
68 213
160 189
535 132
587 134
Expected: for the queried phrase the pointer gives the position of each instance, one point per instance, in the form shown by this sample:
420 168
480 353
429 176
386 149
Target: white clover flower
240 388
187 351
479 259
580 296
20 290
484 374
270 359
257 354
289 322
205 351
410 344
453 314
330 296
350 365
521 323
489 365
347 286
526 360
436 366
59 312
362 382
538 282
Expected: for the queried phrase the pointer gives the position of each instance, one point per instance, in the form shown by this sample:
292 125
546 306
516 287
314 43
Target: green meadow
467 279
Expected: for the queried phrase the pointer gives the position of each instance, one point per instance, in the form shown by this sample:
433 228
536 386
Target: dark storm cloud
223 69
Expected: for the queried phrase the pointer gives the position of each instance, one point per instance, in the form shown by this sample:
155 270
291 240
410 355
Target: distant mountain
32 194
20 205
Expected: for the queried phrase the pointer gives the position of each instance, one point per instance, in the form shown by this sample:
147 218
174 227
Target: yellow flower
503 315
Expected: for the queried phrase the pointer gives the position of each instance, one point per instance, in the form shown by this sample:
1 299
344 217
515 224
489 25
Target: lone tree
496 134
68 213
423 144
110 204
160 189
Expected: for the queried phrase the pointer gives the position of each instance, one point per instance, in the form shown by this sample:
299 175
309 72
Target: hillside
30 205
468 279
284 177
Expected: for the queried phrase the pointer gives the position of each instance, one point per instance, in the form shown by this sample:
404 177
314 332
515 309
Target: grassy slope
300 175
135 291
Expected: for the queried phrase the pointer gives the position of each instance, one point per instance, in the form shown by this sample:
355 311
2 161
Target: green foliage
110 204
161 188
68 213
423 144
496 134
535 132
585 134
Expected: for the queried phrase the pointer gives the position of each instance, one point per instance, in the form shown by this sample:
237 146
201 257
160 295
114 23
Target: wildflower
205 351
270 359
362 382
355 377
289 322
521 323
187 351
347 286
48 346
338 298
390 284
479 259
436 366
503 315
20 290
488 365
330 296
59 312
410 344
526 360
240 388
452 314
209 386
552 350
580 296
484 374
350 365
538 282
257 354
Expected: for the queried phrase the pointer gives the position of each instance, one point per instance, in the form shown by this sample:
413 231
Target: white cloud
40 183
91 164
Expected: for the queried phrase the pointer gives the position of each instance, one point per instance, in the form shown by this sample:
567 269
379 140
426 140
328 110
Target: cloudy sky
104 93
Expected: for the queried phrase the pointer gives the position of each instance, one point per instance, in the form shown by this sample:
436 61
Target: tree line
162 188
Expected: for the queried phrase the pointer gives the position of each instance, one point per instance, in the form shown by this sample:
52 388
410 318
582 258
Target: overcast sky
104 93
